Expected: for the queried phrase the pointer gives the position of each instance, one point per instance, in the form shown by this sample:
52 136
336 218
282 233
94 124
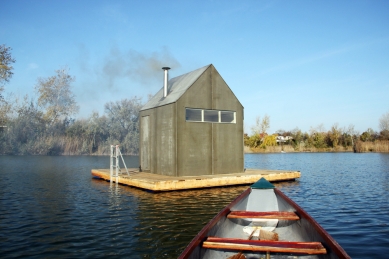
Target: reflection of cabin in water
192 126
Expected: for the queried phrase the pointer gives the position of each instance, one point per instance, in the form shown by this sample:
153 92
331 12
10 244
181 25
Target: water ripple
51 207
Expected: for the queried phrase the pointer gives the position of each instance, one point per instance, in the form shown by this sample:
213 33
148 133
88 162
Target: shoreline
365 147
290 149
360 147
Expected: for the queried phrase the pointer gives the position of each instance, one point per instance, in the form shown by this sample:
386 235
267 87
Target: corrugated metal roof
176 88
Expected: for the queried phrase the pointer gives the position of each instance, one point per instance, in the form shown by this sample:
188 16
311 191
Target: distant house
192 126
282 139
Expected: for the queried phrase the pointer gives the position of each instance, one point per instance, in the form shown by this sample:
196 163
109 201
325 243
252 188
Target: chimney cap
166 68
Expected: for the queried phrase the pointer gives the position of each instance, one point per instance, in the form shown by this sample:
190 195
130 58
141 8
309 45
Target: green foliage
269 141
365 136
254 141
346 140
316 140
368 135
298 138
319 140
334 135
246 140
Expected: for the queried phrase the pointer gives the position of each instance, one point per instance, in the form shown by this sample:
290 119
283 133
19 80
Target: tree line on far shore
28 132
44 125
318 139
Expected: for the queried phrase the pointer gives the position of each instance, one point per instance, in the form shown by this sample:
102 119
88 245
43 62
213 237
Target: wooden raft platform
157 183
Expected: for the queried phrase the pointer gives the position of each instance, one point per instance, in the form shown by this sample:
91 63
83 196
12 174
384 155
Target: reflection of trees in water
168 221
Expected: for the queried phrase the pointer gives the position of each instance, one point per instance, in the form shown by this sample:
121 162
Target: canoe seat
264 246
284 215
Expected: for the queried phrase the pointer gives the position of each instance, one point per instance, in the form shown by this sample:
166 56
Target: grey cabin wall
209 148
176 147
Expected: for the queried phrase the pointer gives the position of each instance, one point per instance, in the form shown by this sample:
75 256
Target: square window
211 116
227 116
193 114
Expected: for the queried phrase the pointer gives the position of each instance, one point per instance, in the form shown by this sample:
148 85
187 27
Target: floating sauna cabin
192 126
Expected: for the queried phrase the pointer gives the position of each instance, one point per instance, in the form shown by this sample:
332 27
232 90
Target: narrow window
227 117
193 114
211 116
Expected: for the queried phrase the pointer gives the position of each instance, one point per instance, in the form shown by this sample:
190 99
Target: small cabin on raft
192 126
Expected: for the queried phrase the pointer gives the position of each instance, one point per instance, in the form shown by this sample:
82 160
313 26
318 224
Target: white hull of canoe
305 229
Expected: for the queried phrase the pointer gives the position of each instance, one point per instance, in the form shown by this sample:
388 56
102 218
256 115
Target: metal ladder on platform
114 162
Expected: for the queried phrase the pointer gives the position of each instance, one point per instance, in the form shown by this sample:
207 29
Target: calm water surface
50 207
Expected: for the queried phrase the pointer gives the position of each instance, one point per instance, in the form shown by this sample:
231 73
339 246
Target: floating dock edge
158 183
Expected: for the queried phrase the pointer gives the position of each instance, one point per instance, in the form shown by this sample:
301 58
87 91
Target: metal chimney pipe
165 81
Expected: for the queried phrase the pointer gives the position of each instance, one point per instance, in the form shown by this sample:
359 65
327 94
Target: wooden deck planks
156 182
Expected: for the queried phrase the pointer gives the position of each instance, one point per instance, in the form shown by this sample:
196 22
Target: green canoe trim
262 184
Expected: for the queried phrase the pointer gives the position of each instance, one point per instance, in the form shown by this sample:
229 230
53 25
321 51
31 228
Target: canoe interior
305 229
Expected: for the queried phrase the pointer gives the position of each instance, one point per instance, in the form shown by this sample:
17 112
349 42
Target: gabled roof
177 86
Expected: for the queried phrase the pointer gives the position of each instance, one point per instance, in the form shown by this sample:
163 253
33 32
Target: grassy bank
372 146
290 149
64 145
360 147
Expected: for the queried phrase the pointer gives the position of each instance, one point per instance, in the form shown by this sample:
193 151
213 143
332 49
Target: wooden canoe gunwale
329 241
330 244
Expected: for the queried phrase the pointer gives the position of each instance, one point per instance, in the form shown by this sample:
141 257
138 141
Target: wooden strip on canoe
198 239
285 215
265 246
330 243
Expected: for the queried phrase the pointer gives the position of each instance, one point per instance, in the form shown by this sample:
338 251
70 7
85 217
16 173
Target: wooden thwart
264 246
240 255
284 215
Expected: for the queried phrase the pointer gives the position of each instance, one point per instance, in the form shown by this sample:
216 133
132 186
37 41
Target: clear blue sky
303 63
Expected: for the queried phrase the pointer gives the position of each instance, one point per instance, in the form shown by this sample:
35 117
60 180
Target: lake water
51 207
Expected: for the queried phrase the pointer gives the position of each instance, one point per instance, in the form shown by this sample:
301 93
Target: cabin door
145 143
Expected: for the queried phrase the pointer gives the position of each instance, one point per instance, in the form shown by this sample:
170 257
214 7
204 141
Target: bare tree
265 124
351 131
123 123
56 96
384 122
6 68
261 126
